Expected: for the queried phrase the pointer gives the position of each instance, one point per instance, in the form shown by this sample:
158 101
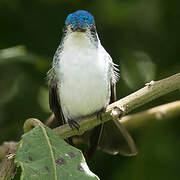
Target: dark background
142 36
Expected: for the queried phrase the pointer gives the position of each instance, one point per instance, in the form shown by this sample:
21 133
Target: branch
6 148
151 91
154 115
7 165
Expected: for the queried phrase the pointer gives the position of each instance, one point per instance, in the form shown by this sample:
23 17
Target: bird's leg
100 113
74 124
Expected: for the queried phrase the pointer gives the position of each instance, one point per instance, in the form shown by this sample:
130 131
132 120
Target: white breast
83 75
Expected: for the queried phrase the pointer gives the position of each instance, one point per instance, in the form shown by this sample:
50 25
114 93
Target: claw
74 124
100 113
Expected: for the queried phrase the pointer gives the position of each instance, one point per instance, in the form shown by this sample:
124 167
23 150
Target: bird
82 81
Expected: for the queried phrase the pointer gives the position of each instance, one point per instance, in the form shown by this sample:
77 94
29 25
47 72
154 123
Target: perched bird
82 81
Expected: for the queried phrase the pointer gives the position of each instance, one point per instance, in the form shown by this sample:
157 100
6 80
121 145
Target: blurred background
142 37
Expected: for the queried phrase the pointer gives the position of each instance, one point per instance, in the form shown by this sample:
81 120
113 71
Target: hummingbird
82 81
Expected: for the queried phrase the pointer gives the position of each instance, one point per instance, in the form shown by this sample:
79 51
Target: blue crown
80 19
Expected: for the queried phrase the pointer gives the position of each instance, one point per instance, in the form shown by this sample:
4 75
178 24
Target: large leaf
43 155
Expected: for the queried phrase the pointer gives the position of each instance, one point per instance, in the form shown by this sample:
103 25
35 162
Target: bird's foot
100 113
73 124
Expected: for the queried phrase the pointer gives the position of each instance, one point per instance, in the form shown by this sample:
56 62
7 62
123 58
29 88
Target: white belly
84 84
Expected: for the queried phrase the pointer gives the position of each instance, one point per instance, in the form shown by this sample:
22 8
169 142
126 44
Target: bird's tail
110 137
115 139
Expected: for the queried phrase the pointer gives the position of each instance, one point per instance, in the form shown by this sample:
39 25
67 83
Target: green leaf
19 54
43 155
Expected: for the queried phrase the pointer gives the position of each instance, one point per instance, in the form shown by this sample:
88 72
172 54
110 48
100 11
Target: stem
157 114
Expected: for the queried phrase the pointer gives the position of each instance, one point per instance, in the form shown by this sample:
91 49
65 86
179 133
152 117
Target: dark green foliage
142 36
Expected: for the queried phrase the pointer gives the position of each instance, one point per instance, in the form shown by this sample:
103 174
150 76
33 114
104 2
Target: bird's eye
84 19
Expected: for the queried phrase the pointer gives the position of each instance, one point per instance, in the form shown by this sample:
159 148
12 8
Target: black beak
78 29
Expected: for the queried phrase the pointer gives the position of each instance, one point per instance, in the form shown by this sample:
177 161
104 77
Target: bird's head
80 21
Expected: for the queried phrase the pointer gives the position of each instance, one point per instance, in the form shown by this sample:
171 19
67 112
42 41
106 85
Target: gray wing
115 138
114 76
54 100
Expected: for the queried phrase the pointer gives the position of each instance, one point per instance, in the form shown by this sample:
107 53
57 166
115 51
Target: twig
49 120
154 115
7 165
